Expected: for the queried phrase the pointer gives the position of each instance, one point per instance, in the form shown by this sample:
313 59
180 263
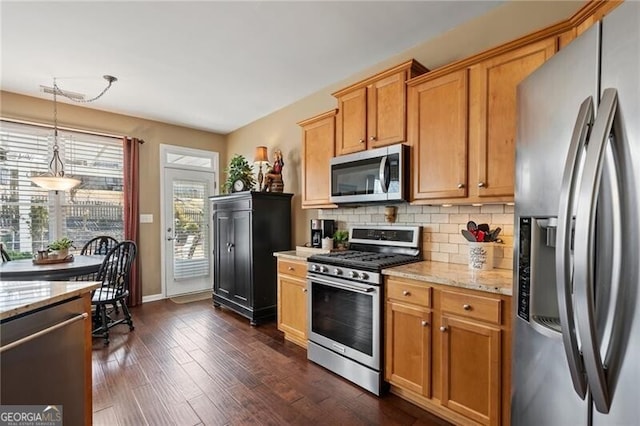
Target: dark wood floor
191 364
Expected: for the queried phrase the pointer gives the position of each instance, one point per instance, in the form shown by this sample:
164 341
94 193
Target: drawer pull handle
406 293
26 339
466 307
291 268
443 328
424 323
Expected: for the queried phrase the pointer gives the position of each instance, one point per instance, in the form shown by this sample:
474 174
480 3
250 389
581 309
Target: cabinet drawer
417 294
471 306
290 267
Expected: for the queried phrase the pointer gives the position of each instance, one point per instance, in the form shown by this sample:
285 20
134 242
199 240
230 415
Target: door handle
585 249
563 247
383 173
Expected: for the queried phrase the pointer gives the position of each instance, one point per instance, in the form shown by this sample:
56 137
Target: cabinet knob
291 268
406 293
361 140
460 185
372 138
424 323
481 184
466 307
443 328
304 290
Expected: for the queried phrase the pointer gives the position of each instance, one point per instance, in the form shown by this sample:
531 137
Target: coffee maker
321 228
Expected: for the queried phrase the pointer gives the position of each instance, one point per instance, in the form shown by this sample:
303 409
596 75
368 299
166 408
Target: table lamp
260 157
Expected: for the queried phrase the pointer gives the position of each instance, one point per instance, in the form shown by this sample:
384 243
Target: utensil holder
481 256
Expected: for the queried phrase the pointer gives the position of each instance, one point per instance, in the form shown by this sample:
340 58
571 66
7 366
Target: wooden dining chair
3 253
115 275
96 246
99 245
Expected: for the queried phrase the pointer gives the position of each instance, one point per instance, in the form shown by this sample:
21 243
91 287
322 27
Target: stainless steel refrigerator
576 350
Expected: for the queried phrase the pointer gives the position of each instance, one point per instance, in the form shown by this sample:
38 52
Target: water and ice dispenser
537 289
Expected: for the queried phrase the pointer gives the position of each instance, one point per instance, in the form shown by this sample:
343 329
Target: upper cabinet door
318 138
373 113
351 129
387 108
493 116
437 123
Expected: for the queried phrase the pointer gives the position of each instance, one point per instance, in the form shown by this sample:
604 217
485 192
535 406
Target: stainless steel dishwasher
42 359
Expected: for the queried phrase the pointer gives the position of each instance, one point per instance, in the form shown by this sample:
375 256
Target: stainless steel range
346 297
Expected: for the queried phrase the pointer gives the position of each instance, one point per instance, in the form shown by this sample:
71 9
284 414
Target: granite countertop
300 253
497 281
19 297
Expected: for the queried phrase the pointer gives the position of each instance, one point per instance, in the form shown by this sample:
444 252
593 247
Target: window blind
31 217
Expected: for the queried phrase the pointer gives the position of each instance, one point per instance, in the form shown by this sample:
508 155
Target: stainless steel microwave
375 175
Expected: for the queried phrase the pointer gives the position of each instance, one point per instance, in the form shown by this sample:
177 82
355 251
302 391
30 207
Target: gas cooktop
363 259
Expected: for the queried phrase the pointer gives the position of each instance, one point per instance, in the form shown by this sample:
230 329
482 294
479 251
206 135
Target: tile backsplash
441 237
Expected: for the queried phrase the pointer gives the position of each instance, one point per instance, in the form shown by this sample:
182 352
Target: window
30 216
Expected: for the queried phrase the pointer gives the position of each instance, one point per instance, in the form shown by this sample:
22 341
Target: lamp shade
55 183
261 154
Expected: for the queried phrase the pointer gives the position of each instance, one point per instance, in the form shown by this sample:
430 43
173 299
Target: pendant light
55 179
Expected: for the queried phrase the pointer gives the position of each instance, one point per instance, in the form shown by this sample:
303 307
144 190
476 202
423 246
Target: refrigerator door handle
584 254
563 246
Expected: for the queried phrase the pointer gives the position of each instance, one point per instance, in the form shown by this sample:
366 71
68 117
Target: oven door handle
363 290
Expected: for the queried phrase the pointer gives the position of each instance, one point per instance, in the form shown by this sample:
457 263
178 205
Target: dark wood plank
191 364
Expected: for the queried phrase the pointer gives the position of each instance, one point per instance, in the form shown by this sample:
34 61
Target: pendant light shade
55 183
55 179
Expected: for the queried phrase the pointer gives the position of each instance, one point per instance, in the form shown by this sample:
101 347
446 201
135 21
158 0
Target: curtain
132 212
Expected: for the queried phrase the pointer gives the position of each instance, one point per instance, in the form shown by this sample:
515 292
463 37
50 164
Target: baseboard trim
153 298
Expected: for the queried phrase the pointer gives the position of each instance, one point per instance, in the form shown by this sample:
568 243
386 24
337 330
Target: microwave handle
384 176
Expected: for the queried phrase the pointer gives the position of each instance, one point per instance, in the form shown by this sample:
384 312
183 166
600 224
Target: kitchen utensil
468 235
471 226
480 236
484 227
495 233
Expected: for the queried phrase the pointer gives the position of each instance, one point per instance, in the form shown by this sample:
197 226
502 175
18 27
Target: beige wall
152 132
279 130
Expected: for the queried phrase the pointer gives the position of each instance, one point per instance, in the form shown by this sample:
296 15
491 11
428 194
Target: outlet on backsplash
441 238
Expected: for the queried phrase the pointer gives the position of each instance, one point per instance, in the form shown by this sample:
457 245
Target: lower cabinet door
292 308
408 347
470 373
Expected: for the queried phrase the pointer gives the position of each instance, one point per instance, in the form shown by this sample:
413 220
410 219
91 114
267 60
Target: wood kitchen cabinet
493 116
372 112
318 147
437 123
462 127
248 227
471 356
448 350
408 337
292 300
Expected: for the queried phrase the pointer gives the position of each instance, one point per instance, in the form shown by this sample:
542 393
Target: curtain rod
69 129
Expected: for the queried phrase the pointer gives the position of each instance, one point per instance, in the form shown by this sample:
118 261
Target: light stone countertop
497 281
19 297
300 253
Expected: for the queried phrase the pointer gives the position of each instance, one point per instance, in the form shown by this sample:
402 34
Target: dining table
28 270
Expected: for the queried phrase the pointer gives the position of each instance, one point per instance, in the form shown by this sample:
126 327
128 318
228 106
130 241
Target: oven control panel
345 273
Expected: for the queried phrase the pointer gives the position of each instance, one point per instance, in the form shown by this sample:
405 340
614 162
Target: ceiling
209 65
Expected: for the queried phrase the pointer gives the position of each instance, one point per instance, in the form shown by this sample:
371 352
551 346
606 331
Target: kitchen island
45 352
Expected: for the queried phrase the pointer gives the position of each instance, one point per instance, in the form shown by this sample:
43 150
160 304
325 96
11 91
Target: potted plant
340 238
239 175
61 246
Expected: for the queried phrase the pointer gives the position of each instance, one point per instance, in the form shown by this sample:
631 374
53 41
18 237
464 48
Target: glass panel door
187 231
